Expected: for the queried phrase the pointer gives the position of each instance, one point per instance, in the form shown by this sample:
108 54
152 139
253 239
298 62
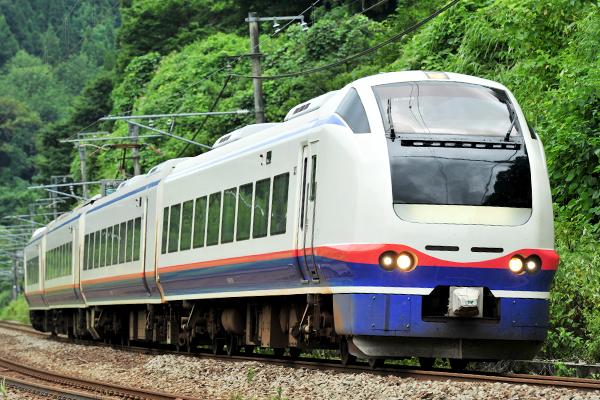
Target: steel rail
96 387
324 364
36 388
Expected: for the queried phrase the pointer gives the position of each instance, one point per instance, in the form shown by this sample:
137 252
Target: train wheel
190 347
376 362
426 362
295 352
217 346
458 364
232 345
347 358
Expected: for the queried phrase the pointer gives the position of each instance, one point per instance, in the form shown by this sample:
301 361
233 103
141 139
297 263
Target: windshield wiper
513 120
390 119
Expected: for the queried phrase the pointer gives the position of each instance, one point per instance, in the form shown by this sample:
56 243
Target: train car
406 215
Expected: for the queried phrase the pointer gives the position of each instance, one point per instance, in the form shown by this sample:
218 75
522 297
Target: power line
43 51
208 76
224 67
362 53
329 30
61 60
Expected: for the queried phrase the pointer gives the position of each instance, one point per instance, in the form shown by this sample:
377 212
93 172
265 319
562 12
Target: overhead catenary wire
355 56
61 60
208 76
206 119
328 30
44 51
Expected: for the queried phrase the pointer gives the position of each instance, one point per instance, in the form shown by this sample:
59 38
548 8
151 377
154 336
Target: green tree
9 44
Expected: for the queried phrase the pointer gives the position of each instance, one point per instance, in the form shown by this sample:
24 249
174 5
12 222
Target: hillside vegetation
545 52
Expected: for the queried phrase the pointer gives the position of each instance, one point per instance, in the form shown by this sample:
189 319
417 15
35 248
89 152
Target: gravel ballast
214 379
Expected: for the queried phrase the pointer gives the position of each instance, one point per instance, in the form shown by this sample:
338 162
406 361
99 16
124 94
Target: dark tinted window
122 242
261 208
214 218
103 248
353 112
109 245
199 221
280 203
86 251
137 237
115 249
129 248
96 249
165 230
228 215
244 217
174 228
186 225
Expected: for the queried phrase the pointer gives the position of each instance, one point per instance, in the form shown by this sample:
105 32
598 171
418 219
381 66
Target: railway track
320 364
36 381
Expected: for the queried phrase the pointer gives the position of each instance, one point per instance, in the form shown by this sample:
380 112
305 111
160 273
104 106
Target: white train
408 214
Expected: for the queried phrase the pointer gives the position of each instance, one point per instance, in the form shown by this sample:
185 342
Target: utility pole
259 102
135 153
82 157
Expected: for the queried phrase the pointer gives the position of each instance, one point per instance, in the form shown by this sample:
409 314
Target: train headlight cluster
405 261
519 265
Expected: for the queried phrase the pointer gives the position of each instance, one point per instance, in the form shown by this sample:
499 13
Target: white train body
309 209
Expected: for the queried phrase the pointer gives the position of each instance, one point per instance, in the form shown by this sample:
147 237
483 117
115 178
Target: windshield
446 108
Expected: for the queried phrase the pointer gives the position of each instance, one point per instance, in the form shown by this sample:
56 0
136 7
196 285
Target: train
408 214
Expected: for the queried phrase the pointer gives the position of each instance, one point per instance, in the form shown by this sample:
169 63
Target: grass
16 311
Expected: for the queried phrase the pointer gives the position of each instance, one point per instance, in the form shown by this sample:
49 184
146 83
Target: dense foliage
546 52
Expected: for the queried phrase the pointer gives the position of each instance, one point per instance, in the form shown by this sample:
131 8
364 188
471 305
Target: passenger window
186 225
353 112
165 230
122 242
129 246
280 203
199 221
261 208
89 243
115 249
70 255
103 248
214 217
313 179
109 245
228 215
96 249
86 251
174 228
62 260
137 237
244 217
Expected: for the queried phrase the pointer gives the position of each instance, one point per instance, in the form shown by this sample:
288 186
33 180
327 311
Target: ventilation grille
441 248
487 249
460 144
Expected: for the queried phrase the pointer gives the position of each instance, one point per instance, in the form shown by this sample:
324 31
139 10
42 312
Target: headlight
517 264
407 261
533 264
387 260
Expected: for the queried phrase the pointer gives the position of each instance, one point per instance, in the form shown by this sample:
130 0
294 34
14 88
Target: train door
306 227
143 232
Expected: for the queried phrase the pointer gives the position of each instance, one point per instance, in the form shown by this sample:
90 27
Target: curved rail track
321 364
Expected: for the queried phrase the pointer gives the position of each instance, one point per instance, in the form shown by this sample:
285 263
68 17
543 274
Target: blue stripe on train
282 274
